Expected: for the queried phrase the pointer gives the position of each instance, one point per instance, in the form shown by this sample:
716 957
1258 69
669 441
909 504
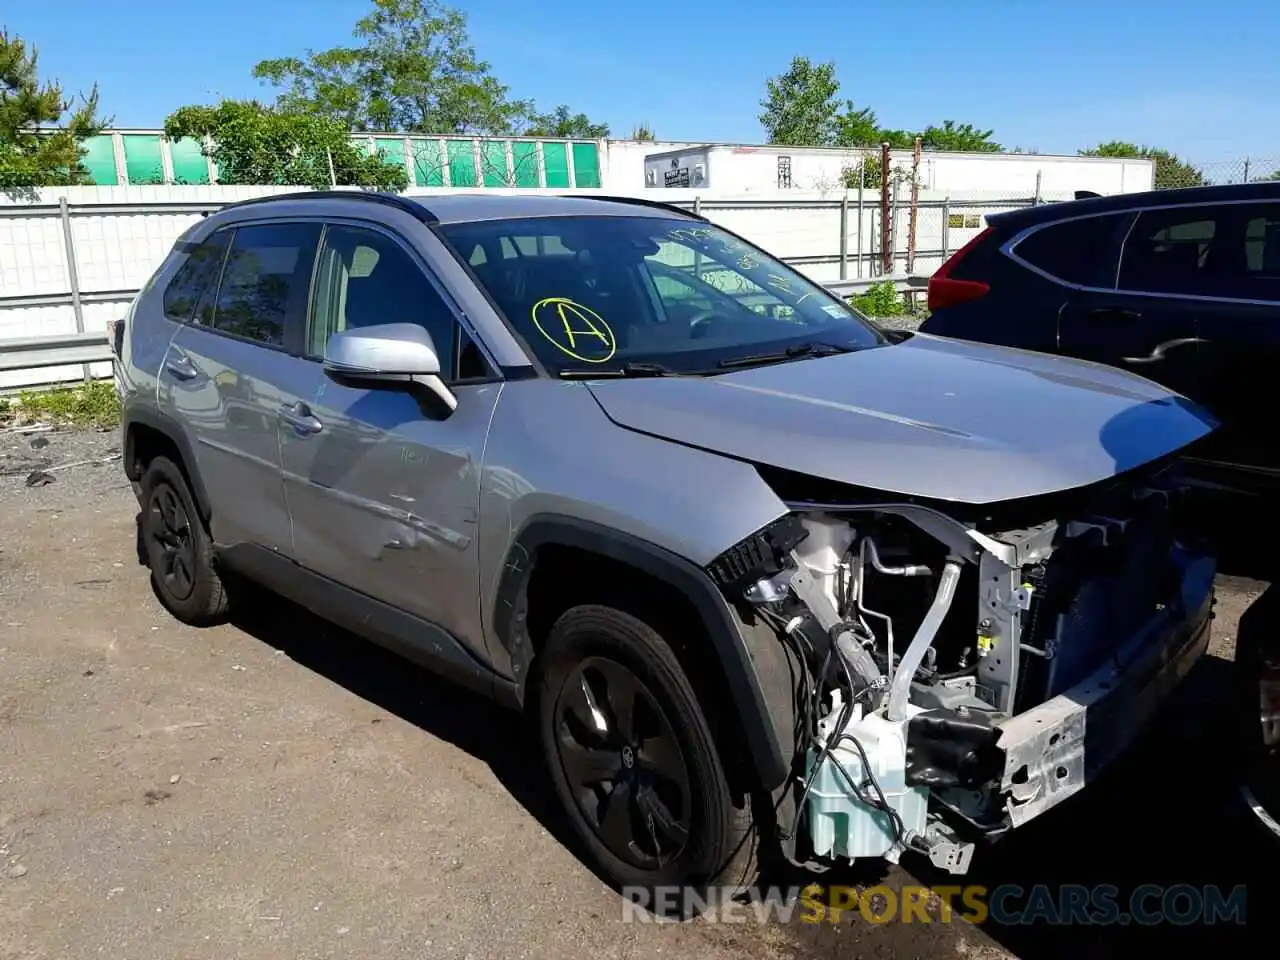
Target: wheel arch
751 661
148 432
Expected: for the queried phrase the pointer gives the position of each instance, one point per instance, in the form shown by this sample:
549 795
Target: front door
383 484
222 374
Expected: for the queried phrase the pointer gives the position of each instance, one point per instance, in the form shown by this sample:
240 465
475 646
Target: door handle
1109 313
180 368
299 416
1160 350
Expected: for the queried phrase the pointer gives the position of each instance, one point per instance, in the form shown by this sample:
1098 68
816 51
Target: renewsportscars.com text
1007 905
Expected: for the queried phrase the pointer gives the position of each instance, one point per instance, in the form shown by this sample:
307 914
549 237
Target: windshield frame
862 333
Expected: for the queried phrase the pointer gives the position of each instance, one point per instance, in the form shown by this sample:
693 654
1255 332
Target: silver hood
929 417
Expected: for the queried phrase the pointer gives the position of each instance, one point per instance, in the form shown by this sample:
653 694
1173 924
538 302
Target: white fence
72 258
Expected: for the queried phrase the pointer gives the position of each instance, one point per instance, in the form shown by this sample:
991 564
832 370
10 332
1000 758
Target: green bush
880 300
90 405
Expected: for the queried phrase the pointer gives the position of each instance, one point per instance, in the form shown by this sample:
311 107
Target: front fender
754 663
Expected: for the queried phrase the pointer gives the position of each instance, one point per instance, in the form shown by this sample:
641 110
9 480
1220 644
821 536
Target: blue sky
1051 76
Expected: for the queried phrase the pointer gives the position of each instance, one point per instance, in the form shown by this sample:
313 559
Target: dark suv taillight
946 291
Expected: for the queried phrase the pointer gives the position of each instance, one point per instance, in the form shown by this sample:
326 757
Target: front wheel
633 759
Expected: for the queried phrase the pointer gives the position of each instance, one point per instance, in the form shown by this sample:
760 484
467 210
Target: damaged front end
966 668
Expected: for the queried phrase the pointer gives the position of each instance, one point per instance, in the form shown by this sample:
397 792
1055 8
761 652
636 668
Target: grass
85 405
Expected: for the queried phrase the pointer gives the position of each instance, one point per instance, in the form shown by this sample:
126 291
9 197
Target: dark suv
1180 286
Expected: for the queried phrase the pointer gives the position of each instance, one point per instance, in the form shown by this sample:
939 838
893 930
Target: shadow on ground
441 708
1167 815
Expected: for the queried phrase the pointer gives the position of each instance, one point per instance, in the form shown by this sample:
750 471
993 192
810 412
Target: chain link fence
1173 172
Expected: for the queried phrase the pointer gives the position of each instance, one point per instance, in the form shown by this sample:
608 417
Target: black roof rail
410 207
639 202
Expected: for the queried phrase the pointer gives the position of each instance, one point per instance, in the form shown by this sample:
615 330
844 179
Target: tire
695 836
178 548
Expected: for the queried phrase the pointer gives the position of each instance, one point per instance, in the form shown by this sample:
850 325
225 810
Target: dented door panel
384 495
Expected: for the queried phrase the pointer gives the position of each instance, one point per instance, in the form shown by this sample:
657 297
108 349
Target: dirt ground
279 788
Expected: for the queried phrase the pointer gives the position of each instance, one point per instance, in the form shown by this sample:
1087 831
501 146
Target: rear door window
266 280
1082 252
1178 251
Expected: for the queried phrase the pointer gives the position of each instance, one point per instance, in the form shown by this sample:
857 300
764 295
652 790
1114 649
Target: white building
738 169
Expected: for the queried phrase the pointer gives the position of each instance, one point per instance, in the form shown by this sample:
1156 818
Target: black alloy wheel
624 764
169 528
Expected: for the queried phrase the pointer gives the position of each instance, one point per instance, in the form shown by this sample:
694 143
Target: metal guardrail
32 353
845 288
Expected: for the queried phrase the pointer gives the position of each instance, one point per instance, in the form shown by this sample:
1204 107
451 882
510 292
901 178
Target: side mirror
388 353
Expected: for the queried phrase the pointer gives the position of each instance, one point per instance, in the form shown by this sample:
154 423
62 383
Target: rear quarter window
198 274
1083 251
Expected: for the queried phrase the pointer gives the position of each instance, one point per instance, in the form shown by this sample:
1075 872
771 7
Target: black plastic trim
418 640
639 202
749 701
416 210
133 412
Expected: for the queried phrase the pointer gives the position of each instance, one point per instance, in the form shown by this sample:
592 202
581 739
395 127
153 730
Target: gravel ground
280 788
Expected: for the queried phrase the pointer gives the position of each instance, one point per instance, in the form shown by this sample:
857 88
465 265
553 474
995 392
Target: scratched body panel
385 497
551 450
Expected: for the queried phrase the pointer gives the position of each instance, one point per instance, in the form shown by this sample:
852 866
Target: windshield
607 294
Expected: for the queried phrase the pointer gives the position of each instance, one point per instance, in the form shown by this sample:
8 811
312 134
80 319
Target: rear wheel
633 759
178 548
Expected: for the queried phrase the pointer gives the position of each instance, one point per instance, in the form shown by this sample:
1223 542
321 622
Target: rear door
1126 315
221 376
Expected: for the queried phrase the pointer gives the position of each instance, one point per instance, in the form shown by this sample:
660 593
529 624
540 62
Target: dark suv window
1227 250
266 277
1080 251
198 273
1262 251
364 278
1172 251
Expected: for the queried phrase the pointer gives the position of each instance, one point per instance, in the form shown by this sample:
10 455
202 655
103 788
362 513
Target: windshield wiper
791 353
632 368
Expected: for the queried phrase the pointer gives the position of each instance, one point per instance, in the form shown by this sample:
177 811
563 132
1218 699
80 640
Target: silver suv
766 578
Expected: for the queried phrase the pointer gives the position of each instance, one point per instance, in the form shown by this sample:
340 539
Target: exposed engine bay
950 656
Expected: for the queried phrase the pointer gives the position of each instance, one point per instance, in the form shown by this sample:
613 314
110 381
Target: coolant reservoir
841 825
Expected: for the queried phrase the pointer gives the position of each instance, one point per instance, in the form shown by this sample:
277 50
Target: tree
562 123
1170 171
413 70
256 144
643 132
857 128
958 138
800 107
30 154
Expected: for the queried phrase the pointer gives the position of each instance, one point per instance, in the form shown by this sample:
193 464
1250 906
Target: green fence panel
556 158
100 160
391 149
493 159
462 163
524 163
142 163
190 165
586 165
427 169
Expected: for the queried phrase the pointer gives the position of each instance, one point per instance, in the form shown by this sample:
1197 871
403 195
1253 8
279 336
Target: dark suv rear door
1095 322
